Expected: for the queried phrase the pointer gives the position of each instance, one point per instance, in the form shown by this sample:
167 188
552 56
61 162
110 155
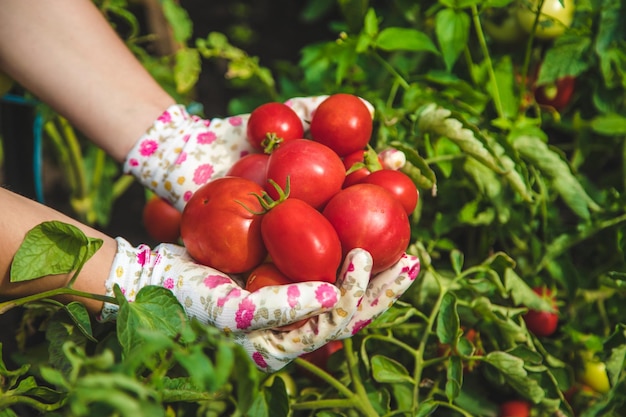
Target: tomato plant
543 323
219 227
314 171
515 408
554 18
502 25
343 123
271 124
252 166
161 220
398 184
367 216
301 242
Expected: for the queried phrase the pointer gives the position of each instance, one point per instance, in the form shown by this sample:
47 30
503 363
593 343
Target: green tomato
6 83
594 376
501 24
555 18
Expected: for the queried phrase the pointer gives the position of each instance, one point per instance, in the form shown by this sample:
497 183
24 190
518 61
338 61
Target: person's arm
19 215
67 54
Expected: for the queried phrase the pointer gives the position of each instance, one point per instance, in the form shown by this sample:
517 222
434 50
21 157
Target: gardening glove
272 350
254 318
181 152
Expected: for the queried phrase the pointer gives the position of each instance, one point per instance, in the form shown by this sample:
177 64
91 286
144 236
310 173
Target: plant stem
363 402
7 305
399 78
419 354
485 50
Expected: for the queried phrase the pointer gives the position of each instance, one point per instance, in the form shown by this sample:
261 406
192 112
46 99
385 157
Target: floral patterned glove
181 152
334 311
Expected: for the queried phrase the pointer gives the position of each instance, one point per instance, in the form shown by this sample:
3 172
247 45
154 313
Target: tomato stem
266 201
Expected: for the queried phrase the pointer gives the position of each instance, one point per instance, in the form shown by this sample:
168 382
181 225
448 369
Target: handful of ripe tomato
288 204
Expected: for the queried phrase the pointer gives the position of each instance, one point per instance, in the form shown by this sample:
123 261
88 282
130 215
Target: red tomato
218 227
315 172
273 123
267 274
543 323
367 216
400 185
343 123
557 94
360 157
301 242
515 408
161 220
252 166
320 357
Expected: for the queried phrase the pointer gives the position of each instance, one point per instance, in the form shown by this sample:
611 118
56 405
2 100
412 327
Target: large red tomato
218 227
161 220
273 123
252 166
301 242
367 216
400 185
315 172
343 123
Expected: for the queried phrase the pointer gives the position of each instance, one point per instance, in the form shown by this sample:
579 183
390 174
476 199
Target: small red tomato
400 185
557 94
515 408
271 124
361 157
343 123
301 242
265 275
367 216
218 227
161 220
252 166
543 323
315 172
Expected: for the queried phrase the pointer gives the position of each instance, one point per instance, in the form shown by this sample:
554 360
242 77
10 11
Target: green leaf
389 370
52 248
568 56
187 69
609 124
405 39
426 408
80 316
155 308
512 369
522 294
455 377
448 323
179 21
452 28
533 149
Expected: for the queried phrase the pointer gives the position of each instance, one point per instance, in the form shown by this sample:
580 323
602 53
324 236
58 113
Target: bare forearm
66 53
19 215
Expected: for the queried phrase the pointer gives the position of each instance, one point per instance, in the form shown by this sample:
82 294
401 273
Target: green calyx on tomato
548 23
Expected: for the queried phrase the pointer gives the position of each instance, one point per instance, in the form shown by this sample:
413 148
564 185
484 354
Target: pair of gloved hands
176 156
